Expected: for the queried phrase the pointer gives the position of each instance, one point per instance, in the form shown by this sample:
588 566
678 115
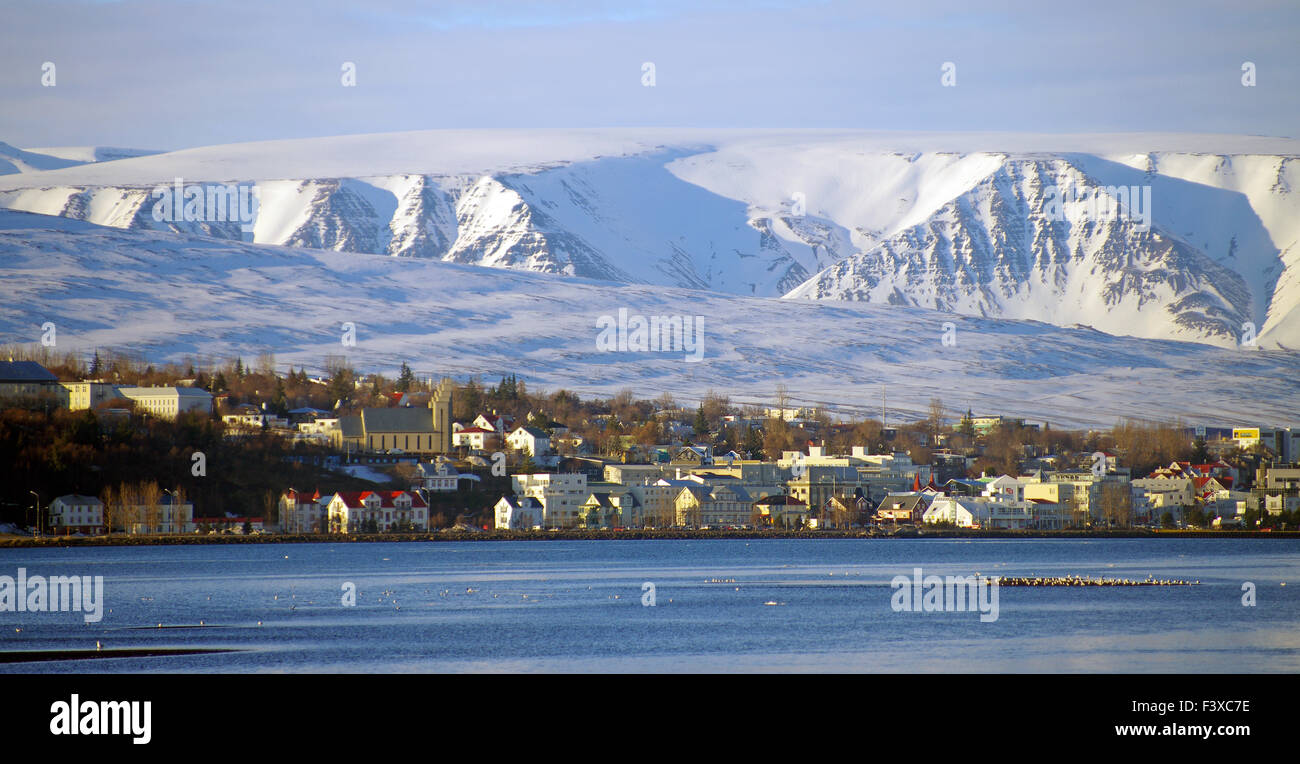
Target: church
409 429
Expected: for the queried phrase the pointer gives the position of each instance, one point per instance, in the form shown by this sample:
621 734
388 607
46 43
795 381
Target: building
780 511
530 440
167 516
376 512
408 429
726 506
818 484
168 402
561 495
88 395
980 512
474 438
902 509
518 514
498 423
658 502
77 514
255 420
28 380
302 513
439 477
611 507
983 425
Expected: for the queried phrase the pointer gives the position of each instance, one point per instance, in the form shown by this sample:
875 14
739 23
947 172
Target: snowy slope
15 160
995 250
950 221
178 297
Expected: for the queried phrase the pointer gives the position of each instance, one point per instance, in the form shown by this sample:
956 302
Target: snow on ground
365 472
176 297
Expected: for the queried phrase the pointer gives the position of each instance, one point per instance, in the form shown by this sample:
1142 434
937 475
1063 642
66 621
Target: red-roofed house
474 437
376 511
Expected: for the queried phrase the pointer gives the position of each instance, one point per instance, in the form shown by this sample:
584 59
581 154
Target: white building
980 512
439 477
77 514
165 517
518 513
168 402
255 421
530 440
475 438
301 512
354 511
561 495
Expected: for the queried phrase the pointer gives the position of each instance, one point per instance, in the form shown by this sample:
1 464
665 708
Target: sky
173 74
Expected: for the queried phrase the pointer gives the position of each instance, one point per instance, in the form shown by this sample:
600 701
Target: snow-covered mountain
960 223
16 160
180 296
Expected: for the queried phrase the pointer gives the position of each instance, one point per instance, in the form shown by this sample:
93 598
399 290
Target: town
113 445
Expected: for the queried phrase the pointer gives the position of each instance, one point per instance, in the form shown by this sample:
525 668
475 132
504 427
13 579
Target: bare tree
151 503
108 497
936 420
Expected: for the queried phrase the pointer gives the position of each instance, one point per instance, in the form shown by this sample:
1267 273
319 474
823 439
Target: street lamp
37 508
297 525
176 504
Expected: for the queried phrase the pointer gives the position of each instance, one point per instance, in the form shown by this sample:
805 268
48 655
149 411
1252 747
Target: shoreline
23 542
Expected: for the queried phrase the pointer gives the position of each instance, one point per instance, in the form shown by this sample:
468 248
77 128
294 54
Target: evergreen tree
701 422
96 366
280 401
405 379
753 444
239 368
967 426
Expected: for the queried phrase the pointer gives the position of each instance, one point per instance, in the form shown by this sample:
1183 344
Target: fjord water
720 605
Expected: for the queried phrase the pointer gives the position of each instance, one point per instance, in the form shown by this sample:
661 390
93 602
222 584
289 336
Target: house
408 429
518 513
902 509
694 456
439 477
530 440
780 511
475 438
302 513
614 508
498 423
376 511
77 514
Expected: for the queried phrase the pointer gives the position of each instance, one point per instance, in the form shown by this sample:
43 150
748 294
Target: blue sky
165 75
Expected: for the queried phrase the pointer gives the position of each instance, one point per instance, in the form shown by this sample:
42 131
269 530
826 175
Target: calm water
576 606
